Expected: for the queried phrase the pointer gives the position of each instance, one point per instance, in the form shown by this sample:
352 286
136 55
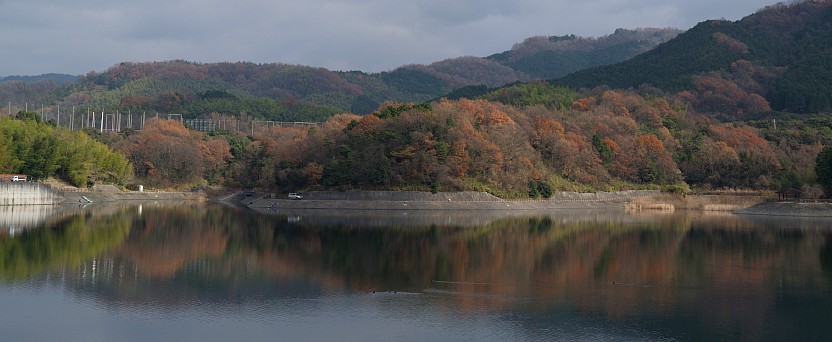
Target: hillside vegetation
41 150
782 54
524 141
704 109
527 140
552 57
282 92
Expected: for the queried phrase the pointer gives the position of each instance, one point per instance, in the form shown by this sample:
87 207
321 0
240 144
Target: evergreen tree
823 169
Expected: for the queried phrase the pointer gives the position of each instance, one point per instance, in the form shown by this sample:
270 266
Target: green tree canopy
823 169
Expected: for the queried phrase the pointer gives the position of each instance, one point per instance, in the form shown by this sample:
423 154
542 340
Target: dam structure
28 193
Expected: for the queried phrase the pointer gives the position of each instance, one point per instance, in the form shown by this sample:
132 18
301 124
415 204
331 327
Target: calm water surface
212 273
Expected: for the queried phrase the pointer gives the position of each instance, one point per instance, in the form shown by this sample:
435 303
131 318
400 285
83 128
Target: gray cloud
39 36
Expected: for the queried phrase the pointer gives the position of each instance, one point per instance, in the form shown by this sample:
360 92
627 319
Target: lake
204 272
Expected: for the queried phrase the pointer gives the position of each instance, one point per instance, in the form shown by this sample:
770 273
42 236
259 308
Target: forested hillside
527 140
782 54
282 92
699 110
57 78
521 141
552 57
41 150
34 93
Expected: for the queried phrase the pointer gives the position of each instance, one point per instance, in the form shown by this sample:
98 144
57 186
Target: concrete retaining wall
39 194
399 196
28 194
98 197
602 196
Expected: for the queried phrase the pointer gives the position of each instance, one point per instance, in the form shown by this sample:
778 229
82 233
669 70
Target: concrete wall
397 196
28 194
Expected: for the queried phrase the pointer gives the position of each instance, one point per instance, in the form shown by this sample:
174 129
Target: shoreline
400 200
327 201
630 201
789 209
17 194
76 197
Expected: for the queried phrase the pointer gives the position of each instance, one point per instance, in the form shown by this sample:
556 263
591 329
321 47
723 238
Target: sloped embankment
803 209
26 193
412 200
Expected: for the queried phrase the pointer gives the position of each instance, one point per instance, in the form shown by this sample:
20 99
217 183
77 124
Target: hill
58 78
548 139
552 57
302 93
782 54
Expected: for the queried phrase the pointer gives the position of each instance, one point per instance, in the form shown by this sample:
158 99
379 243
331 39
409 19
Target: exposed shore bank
798 209
703 202
15 194
329 201
392 200
405 200
95 197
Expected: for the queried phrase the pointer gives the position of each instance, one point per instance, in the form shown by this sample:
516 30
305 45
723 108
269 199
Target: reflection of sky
48 314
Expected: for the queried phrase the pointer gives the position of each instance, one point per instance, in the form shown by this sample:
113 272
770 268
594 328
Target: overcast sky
78 36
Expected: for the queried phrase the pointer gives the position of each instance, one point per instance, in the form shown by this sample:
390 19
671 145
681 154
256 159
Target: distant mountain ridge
58 78
777 59
552 57
782 53
181 85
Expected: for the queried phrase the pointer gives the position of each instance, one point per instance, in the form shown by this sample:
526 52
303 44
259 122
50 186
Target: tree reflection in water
705 276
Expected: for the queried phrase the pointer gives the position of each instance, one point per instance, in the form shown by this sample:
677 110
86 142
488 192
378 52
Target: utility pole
102 120
72 119
775 123
59 116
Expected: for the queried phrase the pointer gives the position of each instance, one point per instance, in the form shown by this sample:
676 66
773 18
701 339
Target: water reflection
560 274
18 218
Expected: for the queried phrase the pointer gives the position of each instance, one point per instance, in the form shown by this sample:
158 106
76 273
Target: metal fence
102 120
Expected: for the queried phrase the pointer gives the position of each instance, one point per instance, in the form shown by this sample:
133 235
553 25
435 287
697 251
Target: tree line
527 140
41 150
548 139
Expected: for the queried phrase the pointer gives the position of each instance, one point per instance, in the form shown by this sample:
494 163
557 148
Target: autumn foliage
166 153
604 140
609 137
